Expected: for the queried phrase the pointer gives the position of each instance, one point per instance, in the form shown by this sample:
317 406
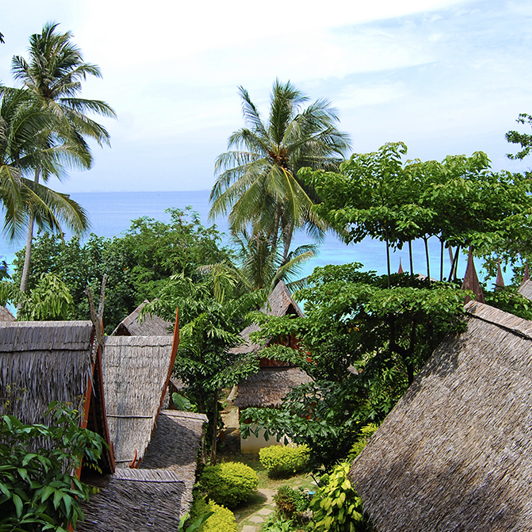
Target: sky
446 77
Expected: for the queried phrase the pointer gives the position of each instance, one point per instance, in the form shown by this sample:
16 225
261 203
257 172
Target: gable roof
526 289
134 500
174 446
149 325
136 370
5 314
47 361
280 303
455 453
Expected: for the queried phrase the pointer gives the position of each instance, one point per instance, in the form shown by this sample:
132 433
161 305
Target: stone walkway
253 522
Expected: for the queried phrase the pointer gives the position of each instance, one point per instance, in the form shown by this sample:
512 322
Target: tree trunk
214 430
411 258
388 259
441 261
29 242
425 239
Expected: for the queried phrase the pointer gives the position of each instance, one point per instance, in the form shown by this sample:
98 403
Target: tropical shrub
335 506
221 519
282 460
291 503
229 483
38 490
276 523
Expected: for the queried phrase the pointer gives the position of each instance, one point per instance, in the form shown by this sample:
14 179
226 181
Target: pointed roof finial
400 270
499 282
471 281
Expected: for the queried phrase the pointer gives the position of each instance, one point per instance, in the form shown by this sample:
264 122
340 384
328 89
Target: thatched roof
268 387
43 362
471 281
135 500
526 289
174 446
136 371
149 325
456 453
5 314
47 361
280 303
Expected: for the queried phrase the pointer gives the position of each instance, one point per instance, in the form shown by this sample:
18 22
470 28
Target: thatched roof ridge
136 370
135 500
45 361
5 314
174 446
455 452
471 281
149 325
526 289
268 387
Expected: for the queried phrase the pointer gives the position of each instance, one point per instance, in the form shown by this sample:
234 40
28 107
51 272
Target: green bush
229 483
291 503
336 507
282 460
37 489
221 520
276 523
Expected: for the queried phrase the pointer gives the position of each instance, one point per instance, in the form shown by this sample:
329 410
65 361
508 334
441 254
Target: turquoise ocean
110 214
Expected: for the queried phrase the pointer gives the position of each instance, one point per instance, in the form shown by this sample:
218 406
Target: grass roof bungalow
275 378
456 451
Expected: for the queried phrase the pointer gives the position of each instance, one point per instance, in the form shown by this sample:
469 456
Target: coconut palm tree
54 74
22 121
258 182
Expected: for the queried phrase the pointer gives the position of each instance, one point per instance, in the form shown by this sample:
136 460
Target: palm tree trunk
29 242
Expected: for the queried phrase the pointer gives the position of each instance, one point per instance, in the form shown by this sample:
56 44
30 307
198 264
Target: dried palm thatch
456 453
5 314
280 303
42 362
526 289
135 500
268 387
174 446
148 325
136 371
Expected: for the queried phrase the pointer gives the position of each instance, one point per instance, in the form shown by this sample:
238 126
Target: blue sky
444 76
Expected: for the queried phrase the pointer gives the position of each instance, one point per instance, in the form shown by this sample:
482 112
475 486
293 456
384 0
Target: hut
148 325
280 303
47 361
455 452
275 378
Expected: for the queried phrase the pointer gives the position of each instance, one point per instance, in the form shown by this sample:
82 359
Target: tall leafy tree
54 73
257 182
523 139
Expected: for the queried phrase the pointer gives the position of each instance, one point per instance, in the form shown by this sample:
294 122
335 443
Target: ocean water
110 214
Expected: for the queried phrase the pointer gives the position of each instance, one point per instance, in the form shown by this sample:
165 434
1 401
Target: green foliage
279 459
211 316
138 264
277 523
181 402
523 139
37 488
228 483
335 506
291 503
459 200
362 343
219 519
49 300
366 433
